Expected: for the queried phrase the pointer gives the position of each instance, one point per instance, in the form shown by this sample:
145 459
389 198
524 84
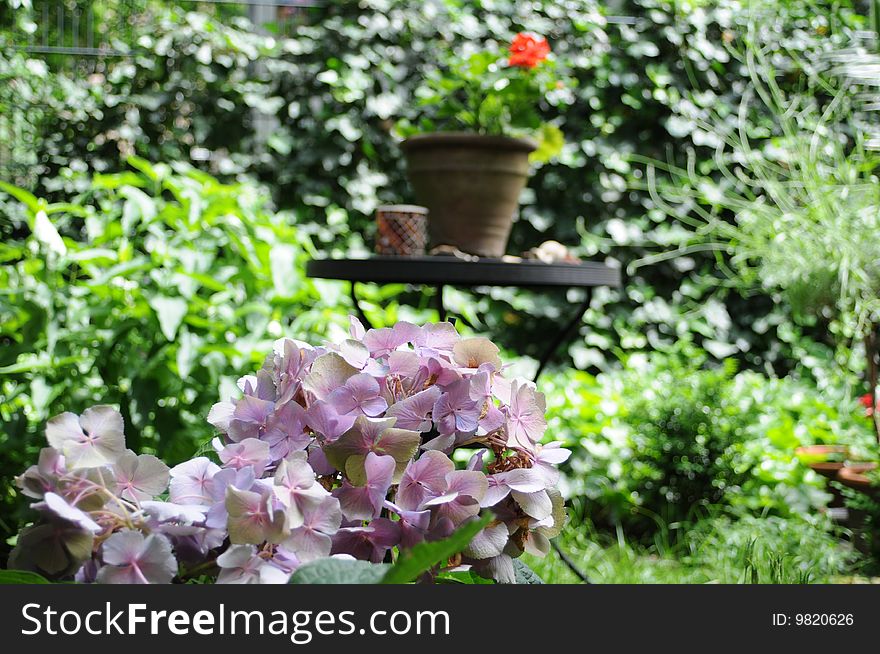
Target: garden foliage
150 286
663 444
311 109
150 289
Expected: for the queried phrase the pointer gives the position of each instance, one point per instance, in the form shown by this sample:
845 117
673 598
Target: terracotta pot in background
471 184
853 476
816 458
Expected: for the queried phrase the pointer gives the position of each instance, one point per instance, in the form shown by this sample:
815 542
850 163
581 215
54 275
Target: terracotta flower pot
817 457
471 184
853 475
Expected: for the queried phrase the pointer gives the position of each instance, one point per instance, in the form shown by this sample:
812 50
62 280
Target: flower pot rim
471 139
855 478
403 208
822 447
858 467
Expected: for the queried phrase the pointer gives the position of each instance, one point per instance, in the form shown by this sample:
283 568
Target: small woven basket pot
402 230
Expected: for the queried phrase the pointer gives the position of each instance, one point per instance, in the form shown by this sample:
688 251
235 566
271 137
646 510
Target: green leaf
170 311
467 577
187 352
27 199
524 574
425 556
45 233
18 577
550 144
340 571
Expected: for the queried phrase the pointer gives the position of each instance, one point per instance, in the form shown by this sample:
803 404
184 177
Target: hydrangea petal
328 372
413 412
424 479
191 481
94 439
140 476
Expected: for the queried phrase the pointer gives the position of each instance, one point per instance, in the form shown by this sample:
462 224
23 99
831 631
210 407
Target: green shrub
149 289
314 119
659 444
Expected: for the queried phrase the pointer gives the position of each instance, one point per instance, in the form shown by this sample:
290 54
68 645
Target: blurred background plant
308 105
797 202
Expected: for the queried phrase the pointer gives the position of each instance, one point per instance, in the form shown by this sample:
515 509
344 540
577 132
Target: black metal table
440 271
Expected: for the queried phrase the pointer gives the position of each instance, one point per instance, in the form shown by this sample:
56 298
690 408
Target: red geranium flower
528 50
867 401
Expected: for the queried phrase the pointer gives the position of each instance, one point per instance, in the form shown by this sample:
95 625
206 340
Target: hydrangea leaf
524 574
18 577
340 571
424 556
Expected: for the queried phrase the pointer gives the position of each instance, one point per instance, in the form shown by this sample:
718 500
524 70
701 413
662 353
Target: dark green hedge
647 70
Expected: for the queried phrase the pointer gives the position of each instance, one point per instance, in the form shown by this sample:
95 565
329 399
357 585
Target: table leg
441 310
357 307
565 334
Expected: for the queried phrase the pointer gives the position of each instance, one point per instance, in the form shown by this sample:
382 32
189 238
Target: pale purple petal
438 336
168 511
249 418
285 430
133 558
325 420
406 332
525 421
355 353
424 479
455 411
191 481
470 483
537 505
308 545
381 342
365 502
94 439
490 542
414 412
240 564
524 480
328 372
360 393
403 363
249 452
58 506
499 568
220 415
356 328
140 477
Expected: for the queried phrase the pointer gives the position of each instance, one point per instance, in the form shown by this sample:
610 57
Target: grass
750 550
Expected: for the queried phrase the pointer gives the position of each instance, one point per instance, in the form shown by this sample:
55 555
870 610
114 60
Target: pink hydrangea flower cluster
359 449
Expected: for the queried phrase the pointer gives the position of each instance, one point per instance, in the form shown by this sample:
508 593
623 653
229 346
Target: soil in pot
471 184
